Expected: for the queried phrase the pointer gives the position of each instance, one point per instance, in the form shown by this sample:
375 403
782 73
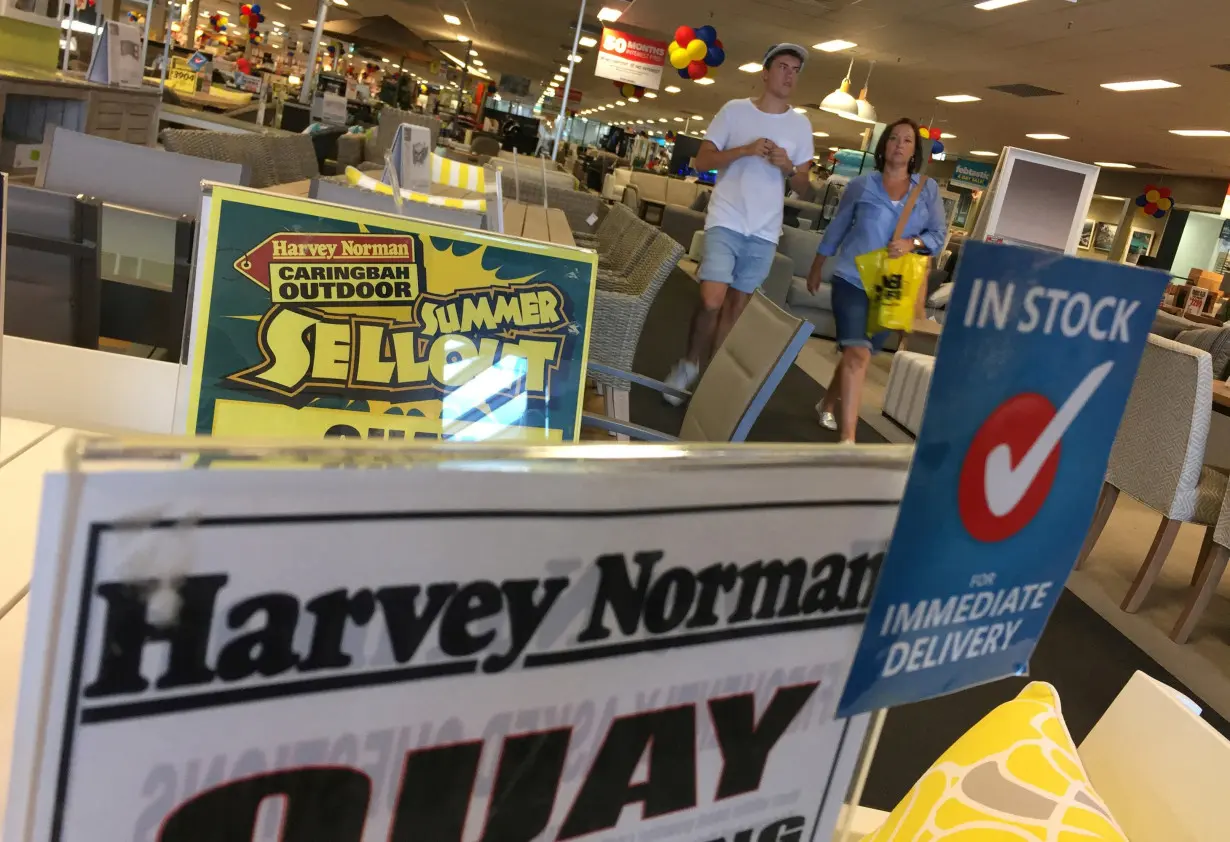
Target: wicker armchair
272 160
617 220
615 263
619 317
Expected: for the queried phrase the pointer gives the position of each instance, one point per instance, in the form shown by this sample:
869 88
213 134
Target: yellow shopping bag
892 285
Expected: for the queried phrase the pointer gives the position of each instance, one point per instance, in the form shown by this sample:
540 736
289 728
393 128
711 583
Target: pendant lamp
866 112
840 102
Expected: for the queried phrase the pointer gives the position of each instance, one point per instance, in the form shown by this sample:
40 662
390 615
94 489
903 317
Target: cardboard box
1205 279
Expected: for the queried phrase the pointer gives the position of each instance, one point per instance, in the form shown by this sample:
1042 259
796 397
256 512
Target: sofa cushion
800 246
1169 326
1215 340
821 299
651 187
701 202
680 192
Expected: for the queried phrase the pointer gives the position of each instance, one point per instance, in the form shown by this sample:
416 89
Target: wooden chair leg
1101 514
1210 574
1201 560
1147 575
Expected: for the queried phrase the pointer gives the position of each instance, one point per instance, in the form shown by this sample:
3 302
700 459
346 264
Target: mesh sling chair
737 384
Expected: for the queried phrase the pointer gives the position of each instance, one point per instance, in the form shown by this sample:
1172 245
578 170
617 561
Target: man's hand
899 247
780 159
813 275
761 148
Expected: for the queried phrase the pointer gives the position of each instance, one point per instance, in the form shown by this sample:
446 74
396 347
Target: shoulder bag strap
909 206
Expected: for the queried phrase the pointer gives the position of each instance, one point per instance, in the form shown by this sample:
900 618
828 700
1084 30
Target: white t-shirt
750 193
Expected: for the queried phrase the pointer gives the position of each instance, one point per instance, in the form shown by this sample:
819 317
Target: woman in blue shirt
866 220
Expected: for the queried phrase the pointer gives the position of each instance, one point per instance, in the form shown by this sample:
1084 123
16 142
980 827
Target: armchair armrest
639 379
623 428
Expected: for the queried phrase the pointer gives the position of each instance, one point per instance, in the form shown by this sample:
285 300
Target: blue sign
198 60
1035 365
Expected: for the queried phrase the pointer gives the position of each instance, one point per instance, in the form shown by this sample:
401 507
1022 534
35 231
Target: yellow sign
317 320
181 77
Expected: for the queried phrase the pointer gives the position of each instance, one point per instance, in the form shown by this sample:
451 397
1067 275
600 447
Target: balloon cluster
1155 201
630 90
135 17
933 135
218 22
694 51
251 15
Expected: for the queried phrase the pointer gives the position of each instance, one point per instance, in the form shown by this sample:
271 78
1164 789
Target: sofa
650 187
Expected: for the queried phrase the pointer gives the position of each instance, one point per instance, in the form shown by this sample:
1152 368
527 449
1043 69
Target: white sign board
630 58
446 656
117 59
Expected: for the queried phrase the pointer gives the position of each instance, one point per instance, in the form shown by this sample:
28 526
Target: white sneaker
682 377
827 420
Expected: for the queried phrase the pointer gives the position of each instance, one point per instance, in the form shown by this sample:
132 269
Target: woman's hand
813 275
899 247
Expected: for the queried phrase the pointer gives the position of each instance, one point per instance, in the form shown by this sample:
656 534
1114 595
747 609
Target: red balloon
1164 191
1151 208
717 42
683 35
697 70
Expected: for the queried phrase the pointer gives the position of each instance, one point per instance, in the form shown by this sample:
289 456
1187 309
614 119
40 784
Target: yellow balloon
679 59
1152 196
697 49
925 132
1164 204
674 45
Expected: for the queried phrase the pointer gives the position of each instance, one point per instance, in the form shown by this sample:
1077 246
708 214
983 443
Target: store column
309 73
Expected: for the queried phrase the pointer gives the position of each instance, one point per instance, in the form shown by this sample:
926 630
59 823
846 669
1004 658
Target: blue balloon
683 74
937 148
256 9
1159 213
715 56
706 33
1141 200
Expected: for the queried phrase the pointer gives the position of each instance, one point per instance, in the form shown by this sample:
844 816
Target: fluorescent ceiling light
385 60
1111 198
678 119
671 89
989 5
834 46
751 67
1046 136
707 80
959 98
946 136
474 53
340 3
633 99
1200 132
606 13
982 153
574 58
280 6
1112 165
558 77
798 110
620 103
698 116
650 95
396 66
278 23
1141 85
834 148
563 68
463 37
587 41
453 19
476 63
661 119
819 134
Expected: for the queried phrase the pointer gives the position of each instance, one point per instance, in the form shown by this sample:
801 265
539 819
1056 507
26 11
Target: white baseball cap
777 49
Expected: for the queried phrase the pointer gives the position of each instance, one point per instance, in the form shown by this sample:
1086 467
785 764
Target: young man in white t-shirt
757 146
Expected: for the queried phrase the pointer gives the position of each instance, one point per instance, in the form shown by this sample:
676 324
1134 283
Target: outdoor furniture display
1158 455
619 316
616 262
735 386
270 159
617 219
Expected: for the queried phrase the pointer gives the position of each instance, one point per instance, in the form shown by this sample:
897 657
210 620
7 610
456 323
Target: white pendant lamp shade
840 102
865 112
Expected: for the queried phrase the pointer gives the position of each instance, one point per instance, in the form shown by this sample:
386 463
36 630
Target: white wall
1198 243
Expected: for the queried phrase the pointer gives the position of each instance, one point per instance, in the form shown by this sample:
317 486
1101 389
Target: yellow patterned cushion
1013 777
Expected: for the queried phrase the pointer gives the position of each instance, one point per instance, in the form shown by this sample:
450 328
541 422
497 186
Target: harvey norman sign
390 655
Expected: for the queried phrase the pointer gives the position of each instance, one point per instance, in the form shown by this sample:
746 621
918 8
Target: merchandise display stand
592 639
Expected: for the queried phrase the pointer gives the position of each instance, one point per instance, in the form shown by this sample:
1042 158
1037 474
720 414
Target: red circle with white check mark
1016 423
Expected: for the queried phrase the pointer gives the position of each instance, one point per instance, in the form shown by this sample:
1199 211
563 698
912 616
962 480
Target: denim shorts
737 260
850 309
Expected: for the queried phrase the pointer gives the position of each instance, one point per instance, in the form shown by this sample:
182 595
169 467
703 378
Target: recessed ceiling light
587 41
340 3
707 80
1200 132
671 89
834 46
474 53
476 63
620 103
633 99
278 23
798 110
463 37
650 95
453 19
1114 166
606 13
946 136
558 77
751 67
834 148
819 134
988 5
982 153
385 60
959 98
574 58
1046 136
1141 85
698 117
661 119
396 66
678 119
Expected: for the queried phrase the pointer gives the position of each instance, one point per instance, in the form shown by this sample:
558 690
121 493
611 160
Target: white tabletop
16 435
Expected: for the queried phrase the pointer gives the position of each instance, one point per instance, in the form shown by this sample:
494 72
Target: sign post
314 320
1035 365
538 645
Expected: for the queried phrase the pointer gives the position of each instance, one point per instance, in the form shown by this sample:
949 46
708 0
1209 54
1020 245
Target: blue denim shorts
850 309
737 260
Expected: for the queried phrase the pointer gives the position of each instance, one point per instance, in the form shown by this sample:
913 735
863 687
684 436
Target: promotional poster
312 320
1035 365
632 59
527 655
